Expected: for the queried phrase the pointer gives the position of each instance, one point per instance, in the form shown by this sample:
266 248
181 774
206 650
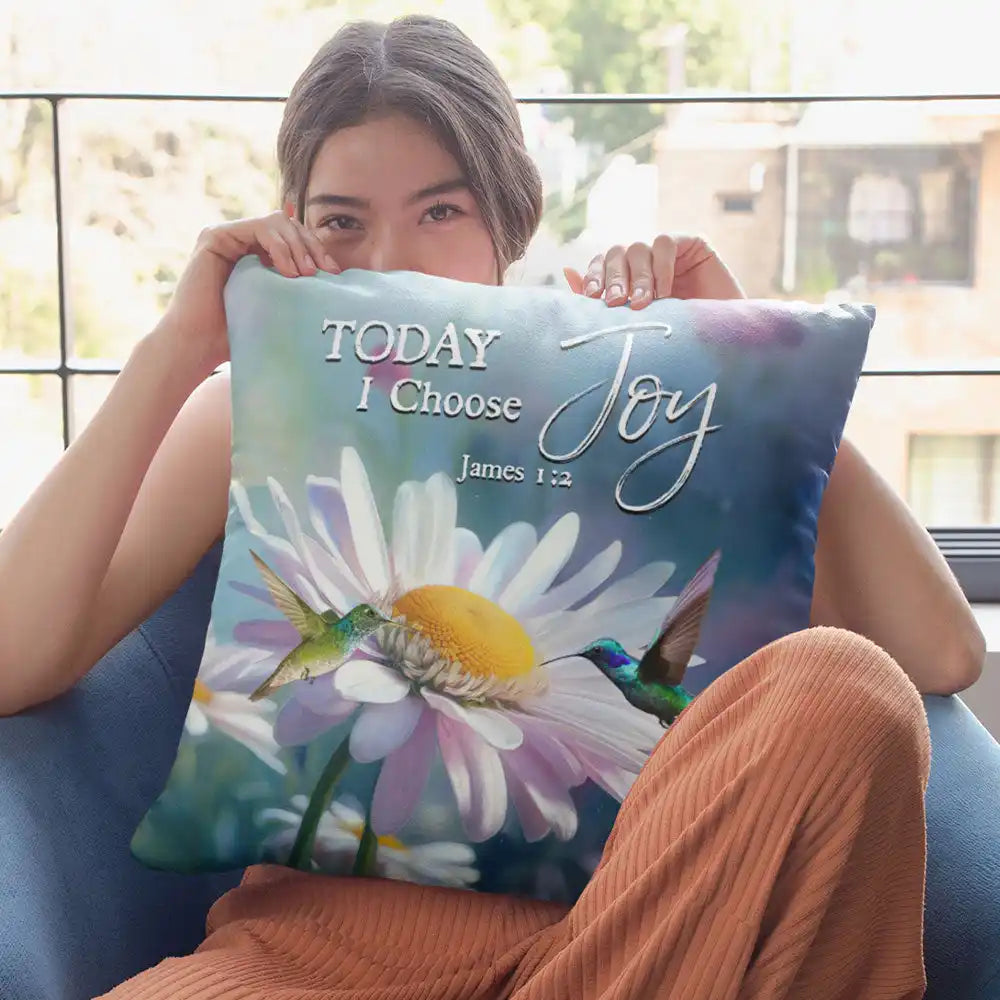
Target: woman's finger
615 276
639 258
290 232
593 282
664 262
279 252
316 249
574 279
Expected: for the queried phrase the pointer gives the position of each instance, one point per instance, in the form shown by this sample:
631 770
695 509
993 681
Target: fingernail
615 292
310 263
591 288
639 292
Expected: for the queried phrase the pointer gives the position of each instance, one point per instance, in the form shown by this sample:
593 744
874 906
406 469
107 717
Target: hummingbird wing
307 622
666 659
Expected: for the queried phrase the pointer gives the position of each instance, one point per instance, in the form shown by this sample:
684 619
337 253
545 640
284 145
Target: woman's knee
850 690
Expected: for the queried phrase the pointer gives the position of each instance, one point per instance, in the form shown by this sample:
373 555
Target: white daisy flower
339 834
476 682
225 678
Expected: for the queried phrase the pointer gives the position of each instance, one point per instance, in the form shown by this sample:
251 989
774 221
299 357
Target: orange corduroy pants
773 846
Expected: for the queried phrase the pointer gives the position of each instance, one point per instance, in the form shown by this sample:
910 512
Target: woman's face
386 196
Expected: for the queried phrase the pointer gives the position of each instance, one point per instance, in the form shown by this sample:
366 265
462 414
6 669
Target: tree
618 46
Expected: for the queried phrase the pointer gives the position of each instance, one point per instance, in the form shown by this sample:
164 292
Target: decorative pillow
484 544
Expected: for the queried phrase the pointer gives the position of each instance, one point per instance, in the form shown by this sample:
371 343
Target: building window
739 204
954 479
887 215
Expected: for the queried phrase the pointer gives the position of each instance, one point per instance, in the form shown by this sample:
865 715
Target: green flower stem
302 849
364 860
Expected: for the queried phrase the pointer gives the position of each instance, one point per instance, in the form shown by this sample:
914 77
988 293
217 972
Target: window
902 215
955 479
737 203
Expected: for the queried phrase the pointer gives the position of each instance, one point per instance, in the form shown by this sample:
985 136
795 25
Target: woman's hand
677 267
195 320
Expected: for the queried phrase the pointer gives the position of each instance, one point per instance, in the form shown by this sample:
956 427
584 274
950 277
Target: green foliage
618 46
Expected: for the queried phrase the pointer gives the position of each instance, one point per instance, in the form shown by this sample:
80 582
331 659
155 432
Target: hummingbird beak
555 659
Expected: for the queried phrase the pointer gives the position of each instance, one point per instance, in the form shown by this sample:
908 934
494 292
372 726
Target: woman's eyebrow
349 201
445 187
341 200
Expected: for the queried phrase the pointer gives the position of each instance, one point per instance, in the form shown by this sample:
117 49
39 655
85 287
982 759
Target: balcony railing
973 552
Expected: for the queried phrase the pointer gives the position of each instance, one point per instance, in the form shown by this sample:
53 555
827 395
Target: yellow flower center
202 693
395 843
468 628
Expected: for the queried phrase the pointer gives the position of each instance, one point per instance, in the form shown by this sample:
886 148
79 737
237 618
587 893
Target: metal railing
973 552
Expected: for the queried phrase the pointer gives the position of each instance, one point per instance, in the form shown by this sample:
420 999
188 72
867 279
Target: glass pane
893 203
936 439
87 393
30 436
948 477
143 179
29 294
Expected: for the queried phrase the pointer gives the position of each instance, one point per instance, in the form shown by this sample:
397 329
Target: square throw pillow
484 545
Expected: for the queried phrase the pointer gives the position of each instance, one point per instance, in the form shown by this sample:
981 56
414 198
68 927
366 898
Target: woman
782 856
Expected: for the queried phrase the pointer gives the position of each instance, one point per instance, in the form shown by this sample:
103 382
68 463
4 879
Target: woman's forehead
391 157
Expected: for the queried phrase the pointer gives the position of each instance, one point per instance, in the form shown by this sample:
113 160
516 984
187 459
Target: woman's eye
340 222
442 212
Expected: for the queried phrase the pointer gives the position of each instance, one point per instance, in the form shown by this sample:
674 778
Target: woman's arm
879 573
112 530
129 508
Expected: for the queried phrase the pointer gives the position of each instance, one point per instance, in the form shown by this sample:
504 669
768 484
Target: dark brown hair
430 70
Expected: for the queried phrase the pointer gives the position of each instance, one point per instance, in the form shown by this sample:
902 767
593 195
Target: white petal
238 495
195 722
366 525
624 737
476 776
543 565
406 534
380 729
297 724
578 586
241 671
328 516
502 559
444 852
634 626
496 728
250 729
365 680
341 587
330 591
615 780
539 795
545 743
468 554
644 582
403 777
280 816
441 507
278 553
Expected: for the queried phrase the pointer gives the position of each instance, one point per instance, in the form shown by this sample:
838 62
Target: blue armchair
78 914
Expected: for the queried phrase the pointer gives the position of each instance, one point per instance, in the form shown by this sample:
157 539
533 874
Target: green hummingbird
653 683
328 638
